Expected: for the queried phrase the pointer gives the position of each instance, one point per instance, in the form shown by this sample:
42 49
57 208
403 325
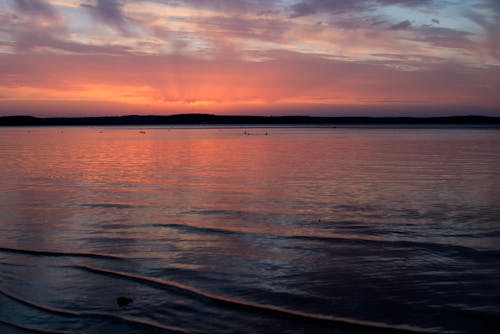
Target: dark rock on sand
123 301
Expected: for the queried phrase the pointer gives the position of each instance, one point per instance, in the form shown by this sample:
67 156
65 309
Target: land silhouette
208 119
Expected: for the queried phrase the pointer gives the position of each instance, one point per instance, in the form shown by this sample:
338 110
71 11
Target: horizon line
212 119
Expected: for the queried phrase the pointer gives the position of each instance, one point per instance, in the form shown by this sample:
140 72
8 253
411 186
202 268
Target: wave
81 314
457 250
341 322
50 309
30 329
59 254
193 228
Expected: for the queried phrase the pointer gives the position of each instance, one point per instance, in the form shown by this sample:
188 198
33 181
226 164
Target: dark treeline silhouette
199 119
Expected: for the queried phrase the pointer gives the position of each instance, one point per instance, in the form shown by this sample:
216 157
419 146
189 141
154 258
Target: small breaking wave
456 250
86 314
193 228
59 254
341 322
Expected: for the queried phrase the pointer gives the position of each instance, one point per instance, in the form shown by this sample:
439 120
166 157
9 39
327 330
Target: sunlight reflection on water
396 226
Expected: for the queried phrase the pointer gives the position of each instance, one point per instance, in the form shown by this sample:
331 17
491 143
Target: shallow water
208 230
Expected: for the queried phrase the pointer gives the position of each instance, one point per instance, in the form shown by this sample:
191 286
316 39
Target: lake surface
208 230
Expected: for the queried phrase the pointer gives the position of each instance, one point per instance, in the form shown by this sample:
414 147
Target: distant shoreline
207 119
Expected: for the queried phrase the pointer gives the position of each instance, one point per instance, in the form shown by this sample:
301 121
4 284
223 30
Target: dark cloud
358 22
231 5
31 25
108 12
490 25
309 7
36 8
493 5
407 3
444 37
238 27
262 7
302 9
401 25
29 41
32 35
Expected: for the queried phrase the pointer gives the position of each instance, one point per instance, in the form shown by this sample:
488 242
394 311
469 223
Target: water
305 230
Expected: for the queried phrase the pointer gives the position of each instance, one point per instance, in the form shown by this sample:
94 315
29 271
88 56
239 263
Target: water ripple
93 314
340 322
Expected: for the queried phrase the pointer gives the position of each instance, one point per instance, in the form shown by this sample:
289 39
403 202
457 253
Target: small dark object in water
123 301
142 131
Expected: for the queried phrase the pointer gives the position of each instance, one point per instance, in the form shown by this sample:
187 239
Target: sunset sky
310 57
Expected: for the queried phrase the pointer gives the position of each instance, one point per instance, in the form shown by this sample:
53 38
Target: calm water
212 231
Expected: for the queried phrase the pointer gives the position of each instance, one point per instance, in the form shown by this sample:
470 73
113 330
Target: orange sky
83 57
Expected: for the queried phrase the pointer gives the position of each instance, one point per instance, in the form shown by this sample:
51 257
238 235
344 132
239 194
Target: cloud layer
230 56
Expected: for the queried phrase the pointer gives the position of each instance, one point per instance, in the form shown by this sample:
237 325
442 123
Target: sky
253 57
